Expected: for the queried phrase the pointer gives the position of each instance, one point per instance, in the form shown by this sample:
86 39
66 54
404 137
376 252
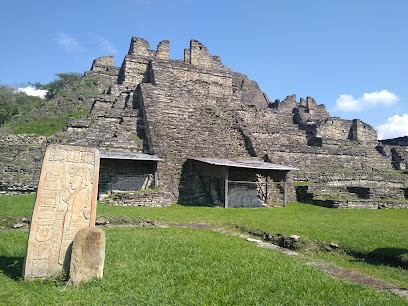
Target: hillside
69 95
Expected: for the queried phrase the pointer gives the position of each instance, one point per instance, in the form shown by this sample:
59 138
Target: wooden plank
285 179
266 188
226 188
256 182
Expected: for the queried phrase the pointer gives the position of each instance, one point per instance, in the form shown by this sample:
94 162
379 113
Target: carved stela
65 203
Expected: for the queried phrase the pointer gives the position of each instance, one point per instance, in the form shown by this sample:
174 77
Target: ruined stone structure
20 159
398 149
198 108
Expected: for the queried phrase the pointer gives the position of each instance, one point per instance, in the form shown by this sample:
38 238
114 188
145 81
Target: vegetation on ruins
69 95
153 265
14 103
56 87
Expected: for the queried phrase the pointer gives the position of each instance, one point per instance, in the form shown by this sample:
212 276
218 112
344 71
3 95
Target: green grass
44 127
359 232
151 266
17 206
361 229
356 231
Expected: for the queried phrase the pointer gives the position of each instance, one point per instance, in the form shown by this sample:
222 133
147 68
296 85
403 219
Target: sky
350 55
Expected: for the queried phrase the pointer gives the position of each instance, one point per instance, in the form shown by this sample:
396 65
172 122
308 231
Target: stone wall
399 141
398 150
114 123
362 131
135 67
201 81
314 110
155 198
21 159
334 128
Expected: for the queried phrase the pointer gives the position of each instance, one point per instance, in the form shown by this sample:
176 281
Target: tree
7 110
63 80
14 103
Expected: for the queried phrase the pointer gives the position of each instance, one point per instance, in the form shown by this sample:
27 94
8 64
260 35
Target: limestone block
65 203
242 196
88 255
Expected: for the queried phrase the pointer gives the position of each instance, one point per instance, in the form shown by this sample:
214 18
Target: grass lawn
17 206
186 266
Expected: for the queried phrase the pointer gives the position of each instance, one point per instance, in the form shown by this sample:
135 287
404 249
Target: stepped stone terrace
186 111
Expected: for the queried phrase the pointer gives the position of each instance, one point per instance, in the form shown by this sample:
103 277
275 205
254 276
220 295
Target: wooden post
226 188
156 175
266 188
285 178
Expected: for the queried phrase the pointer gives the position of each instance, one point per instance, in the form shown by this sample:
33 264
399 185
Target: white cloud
106 45
348 103
69 43
33 92
395 126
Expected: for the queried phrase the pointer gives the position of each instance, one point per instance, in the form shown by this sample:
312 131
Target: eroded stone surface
88 255
65 203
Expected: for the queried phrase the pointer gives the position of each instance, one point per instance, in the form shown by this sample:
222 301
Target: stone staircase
113 123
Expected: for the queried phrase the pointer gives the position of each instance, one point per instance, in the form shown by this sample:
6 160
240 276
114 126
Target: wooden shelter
241 182
127 171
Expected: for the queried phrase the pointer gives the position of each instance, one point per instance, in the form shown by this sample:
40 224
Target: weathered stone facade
197 107
398 150
150 198
21 159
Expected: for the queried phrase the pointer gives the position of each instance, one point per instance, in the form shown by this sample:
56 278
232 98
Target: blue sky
350 55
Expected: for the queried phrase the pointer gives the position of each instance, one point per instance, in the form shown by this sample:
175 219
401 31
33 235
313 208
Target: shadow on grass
393 257
12 267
